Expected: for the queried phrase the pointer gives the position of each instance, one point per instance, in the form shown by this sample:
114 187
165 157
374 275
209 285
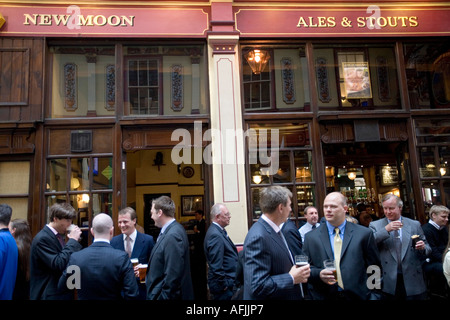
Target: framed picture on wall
357 80
190 204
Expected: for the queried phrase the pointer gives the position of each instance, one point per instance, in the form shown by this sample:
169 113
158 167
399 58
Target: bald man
104 273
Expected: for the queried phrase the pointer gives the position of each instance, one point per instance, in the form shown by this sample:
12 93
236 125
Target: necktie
313 227
128 245
337 255
398 249
290 256
60 239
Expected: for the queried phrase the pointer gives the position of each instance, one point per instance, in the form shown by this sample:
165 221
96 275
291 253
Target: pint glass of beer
301 260
330 265
142 272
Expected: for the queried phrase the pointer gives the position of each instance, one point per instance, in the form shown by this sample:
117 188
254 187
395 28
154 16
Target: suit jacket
143 246
169 273
293 237
48 261
222 257
267 263
437 240
411 258
358 252
105 273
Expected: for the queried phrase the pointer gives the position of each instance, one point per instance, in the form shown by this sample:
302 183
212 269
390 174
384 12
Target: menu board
388 175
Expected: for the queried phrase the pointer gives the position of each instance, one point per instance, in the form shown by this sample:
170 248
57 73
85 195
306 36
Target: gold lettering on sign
81 20
384 22
361 22
319 22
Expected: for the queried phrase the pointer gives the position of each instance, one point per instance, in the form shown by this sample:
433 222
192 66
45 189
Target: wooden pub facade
107 104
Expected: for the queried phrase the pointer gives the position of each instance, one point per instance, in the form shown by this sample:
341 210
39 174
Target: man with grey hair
403 277
221 254
104 273
269 269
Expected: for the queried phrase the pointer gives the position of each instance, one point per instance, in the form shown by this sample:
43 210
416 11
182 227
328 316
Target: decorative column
195 64
228 157
91 60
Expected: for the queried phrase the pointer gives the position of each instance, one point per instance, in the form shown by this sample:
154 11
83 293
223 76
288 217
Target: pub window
14 187
359 77
428 74
83 182
291 166
165 80
144 85
275 78
433 140
83 81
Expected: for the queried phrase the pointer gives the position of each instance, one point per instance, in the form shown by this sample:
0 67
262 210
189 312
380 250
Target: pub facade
111 104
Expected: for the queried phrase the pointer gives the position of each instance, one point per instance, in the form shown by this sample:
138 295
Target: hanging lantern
257 59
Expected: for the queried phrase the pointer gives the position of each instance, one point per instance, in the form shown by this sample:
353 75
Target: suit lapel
390 243
137 246
53 236
348 234
275 237
227 238
160 239
406 235
325 239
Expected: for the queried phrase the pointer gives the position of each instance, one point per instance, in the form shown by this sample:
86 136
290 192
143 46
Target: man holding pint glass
403 248
137 245
340 254
270 270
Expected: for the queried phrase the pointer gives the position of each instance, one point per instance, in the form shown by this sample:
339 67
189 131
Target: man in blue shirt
8 255
351 246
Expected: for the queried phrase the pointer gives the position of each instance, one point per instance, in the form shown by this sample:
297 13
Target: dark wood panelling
59 140
344 132
21 79
17 142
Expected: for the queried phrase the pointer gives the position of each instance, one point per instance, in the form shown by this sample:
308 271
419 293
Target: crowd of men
393 258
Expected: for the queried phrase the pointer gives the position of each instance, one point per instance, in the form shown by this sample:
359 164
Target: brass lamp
257 59
351 171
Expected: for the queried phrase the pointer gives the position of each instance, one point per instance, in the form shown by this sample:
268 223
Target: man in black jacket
104 273
436 233
50 255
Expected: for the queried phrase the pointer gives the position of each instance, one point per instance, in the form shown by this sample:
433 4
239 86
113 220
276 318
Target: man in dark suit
402 263
137 245
269 269
221 254
358 252
50 255
169 272
104 273
293 237
436 233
